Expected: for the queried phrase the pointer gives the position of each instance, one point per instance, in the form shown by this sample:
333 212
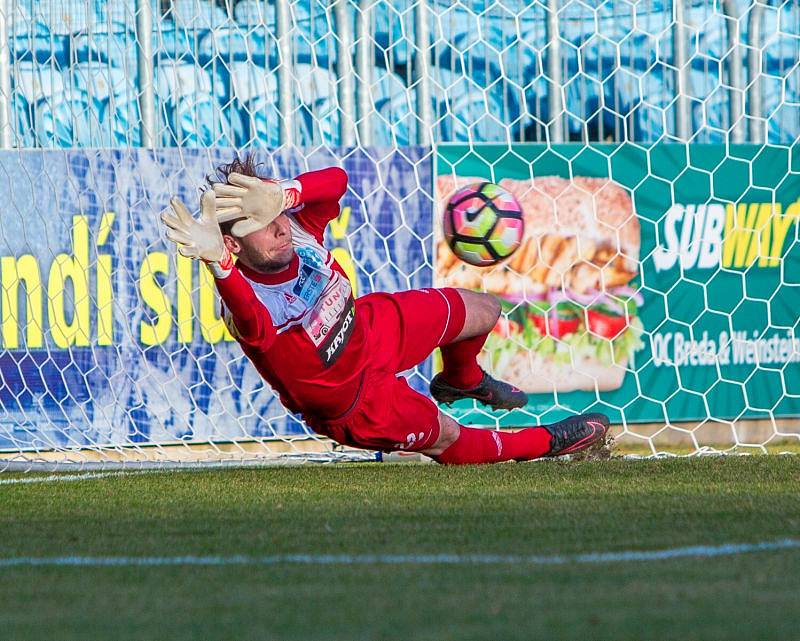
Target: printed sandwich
570 308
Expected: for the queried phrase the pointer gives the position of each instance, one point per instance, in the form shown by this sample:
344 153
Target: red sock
475 445
460 365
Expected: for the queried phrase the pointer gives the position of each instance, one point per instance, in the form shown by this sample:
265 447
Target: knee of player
449 432
493 308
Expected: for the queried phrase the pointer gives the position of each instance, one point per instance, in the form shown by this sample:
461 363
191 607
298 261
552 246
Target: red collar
272 279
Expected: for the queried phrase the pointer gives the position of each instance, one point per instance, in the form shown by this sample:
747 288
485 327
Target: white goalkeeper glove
257 202
198 238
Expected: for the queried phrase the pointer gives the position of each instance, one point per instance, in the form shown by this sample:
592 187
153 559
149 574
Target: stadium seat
470 111
257 23
523 84
646 102
217 52
394 120
317 119
313 32
32 40
254 100
477 98
197 15
104 106
43 96
22 116
709 105
189 106
393 35
173 44
117 48
252 13
534 116
253 36
64 17
225 44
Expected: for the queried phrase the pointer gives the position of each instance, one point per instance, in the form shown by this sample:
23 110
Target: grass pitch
540 508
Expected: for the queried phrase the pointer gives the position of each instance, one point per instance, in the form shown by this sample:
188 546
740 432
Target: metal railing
558 86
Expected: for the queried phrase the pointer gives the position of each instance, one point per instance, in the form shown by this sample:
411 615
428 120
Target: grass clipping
602 450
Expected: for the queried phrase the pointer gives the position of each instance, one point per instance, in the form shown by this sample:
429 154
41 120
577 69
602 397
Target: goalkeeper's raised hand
198 238
258 202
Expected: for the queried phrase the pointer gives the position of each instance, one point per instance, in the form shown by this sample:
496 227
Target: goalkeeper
335 359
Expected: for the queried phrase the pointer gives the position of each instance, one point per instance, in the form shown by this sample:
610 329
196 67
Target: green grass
544 508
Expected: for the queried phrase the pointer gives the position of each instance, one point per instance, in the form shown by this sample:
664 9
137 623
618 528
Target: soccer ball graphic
483 224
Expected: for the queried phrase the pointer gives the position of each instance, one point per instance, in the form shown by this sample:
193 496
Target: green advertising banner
658 284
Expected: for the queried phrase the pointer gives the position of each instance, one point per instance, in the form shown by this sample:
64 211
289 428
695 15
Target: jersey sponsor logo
310 284
309 256
338 336
319 299
328 310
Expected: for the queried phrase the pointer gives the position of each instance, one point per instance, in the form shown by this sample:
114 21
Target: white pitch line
697 551
70 477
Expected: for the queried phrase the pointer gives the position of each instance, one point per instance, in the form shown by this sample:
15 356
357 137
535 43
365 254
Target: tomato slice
555 326
539 322
507 328
605 325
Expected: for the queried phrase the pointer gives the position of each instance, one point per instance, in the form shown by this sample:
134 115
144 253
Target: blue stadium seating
395 121
63 17
226 44
313 29
253 13
197 15
318 116
256 25
254 103
43 100
117 48
216 82
189 106
104 107
469 108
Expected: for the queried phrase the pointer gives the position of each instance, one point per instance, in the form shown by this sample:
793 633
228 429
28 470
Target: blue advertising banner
108 337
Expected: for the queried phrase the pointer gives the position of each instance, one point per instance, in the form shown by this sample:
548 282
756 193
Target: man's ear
232 244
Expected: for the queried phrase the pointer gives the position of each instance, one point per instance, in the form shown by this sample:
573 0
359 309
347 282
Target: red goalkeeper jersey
299 327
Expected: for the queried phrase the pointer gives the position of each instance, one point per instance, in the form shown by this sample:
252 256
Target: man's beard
267 265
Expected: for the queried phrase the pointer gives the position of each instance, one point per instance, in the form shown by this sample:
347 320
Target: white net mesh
112 349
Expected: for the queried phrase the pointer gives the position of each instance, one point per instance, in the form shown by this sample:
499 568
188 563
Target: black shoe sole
447 397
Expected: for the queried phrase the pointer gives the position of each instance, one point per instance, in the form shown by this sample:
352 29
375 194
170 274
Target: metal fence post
735 72
144 56
284 27
754 63
554 103
364 58
5 76
422 71
683 117
344 71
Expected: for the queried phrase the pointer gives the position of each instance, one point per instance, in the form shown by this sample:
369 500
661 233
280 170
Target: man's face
266 250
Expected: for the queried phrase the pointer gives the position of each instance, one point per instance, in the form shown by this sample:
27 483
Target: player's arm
322 186
313 197
203 239
251 320
319 196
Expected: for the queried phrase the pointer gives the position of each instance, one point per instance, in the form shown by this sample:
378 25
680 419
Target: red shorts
404 329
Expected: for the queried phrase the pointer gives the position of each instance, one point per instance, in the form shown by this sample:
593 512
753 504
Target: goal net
651 145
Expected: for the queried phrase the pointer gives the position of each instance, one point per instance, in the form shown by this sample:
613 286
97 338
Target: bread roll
580 235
